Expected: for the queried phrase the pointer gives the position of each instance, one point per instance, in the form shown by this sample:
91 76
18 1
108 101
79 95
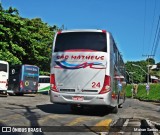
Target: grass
154 92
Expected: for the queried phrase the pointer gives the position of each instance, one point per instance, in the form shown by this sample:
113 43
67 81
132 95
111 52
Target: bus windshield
3 67
81 40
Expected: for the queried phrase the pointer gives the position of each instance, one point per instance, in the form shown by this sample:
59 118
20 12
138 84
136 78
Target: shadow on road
65 109
31 116
4 129
25 95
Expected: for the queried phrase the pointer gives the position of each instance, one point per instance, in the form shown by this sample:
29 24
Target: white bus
4 73
44 84
87 70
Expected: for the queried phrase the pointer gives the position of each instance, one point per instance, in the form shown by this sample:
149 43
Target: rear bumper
24 92
98 99
3 92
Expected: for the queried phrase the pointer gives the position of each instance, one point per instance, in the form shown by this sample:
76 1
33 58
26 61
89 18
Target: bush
154 92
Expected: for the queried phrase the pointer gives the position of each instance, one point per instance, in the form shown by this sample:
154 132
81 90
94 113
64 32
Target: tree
151 61
158 65
9 25
25 41
136 72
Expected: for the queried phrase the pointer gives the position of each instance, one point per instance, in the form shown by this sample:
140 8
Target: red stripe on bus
3 82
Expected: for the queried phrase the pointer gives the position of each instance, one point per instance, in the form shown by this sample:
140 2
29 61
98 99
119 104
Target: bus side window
115 53
47 80
40 80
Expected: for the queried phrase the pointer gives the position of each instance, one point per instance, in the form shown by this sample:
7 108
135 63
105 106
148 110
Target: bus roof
4 62
29 65
82 30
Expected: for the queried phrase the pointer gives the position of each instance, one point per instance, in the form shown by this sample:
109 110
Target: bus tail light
114 96
21 85
104 31
106 86
53 83
59 32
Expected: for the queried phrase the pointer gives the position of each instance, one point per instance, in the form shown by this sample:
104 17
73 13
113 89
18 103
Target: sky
132 23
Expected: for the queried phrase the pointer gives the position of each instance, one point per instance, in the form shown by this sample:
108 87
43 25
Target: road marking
77 120
103 126
105 122
152 127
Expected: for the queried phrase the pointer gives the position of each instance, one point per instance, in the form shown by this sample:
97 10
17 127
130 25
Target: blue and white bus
23 79
87 69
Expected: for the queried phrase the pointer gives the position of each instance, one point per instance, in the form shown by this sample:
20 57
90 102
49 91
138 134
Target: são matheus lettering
81 57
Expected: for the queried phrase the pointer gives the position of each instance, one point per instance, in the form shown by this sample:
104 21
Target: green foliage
44 73
128 91
136 74
158 65
151 61
154 92
25 41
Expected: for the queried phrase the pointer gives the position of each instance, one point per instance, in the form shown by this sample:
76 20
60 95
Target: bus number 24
96 85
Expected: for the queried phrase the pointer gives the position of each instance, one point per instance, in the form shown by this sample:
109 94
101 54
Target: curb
156 101
149 100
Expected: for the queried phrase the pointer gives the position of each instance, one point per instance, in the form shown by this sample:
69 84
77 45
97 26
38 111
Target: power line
144 26
152 22
157 42
155 45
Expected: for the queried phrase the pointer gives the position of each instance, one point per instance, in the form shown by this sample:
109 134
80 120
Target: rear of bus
29 79
44 84
80 68
4 72
23 79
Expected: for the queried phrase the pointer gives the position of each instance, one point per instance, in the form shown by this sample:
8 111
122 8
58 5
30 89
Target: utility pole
148 56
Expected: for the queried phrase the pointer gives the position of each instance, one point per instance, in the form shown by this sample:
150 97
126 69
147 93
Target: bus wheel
11 94
120 105
115 109
124 98
19 94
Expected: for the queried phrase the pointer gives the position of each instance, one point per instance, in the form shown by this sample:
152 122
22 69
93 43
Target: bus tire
19 94
124 98
11 94
115 109
120 105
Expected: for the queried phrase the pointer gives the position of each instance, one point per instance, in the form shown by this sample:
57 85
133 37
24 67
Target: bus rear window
44 80
3 67
81 40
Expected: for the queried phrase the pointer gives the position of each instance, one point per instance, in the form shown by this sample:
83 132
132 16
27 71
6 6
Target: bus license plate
78 98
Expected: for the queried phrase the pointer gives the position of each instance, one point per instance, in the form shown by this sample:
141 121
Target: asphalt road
37 110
